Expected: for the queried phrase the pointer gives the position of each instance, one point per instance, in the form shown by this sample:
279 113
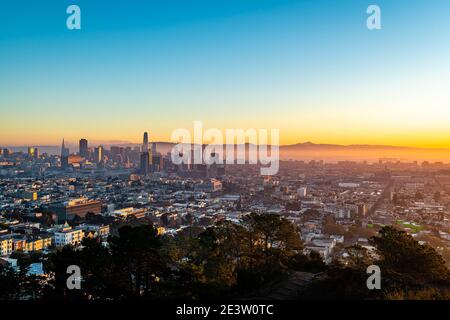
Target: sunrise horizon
74 143
312 70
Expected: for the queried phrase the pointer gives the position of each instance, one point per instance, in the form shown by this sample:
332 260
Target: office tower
145 159
64 151
145 142
33 153
157 162
98 154
64 162
30 152
144 166
115 151
118 154
64 156
127 152
150 158
84 148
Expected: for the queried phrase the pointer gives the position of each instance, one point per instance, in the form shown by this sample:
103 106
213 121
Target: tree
402 254
207 259
90 217
272 241
179 253
330 226
9 283
137 260
56 265
358 258
46 219
340 283
96 269
227 248
227 257
313 262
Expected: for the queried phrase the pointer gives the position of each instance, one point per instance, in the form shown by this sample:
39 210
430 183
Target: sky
310 68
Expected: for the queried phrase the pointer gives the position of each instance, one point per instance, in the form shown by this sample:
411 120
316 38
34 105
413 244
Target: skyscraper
145 143
145 160
84 148
144 167
98 154
117 154
33 152
64 151
6 152
64 156
150 157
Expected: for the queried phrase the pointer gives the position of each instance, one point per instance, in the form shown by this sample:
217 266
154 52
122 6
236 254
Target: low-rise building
68 236
6 245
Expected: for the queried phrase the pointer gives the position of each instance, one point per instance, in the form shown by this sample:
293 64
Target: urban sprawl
50 201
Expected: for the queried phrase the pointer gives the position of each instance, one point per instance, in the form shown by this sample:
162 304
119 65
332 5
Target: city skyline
311 69
74 144
305 151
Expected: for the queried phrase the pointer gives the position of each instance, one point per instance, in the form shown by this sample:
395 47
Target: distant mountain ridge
311 151
306 144
309 144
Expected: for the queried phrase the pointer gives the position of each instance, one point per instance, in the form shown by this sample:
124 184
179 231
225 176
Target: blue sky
310 68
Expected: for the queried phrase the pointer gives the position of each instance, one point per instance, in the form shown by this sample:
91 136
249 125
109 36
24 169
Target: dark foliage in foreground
408 271
228 260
